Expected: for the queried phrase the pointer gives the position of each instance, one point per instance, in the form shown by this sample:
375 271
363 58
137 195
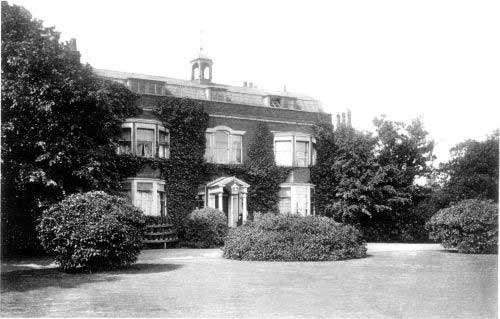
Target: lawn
394 281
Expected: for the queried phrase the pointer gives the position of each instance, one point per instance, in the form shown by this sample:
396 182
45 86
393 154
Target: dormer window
146 86
143 137
275 102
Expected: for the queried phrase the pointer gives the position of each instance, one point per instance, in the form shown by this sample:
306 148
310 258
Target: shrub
205 228
470 226
292 238
92 231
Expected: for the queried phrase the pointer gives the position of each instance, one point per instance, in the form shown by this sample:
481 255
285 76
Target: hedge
293 238
470 226
92 231
205 228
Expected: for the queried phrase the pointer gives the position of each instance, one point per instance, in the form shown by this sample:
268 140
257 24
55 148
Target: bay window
223 145
147 194
144 137
294 149
296 199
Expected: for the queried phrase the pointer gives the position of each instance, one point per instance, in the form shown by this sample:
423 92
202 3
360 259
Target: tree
59 124
472 171
349 182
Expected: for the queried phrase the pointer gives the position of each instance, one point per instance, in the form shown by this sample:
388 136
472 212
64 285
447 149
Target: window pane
301 200
125 142
142 87
235 148
161 199
145 201
283 153
285 206
134 86
208 147
145 140
221 146
302 153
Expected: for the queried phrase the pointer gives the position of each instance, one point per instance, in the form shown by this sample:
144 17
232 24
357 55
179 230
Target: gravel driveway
394 281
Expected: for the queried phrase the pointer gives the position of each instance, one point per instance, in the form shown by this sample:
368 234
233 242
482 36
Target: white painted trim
225 128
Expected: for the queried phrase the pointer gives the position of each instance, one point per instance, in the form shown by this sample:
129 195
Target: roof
174 81
223 181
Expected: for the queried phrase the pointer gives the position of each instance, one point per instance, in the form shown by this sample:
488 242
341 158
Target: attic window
218 96
275 102
146 87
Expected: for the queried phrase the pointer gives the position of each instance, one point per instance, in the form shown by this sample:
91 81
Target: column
244 200
233 209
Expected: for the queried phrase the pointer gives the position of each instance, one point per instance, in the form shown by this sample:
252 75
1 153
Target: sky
437 60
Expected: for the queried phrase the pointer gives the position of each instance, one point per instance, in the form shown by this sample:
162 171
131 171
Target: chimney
250 84
343 118
284 87
349 124
245 84
338 120
72 44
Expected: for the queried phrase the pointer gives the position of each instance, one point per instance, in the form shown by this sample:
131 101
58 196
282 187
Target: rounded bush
293 238
470 226
205 228
92 231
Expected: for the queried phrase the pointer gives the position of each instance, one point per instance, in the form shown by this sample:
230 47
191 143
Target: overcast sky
439 60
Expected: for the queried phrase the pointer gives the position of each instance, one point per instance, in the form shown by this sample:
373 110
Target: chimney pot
343 118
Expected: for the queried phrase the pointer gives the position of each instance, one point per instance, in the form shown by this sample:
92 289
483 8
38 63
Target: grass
395 281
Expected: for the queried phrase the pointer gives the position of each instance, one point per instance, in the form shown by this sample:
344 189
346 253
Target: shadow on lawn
25 280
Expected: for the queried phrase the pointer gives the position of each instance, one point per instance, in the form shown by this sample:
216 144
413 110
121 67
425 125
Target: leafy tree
59 124
472 171
349 182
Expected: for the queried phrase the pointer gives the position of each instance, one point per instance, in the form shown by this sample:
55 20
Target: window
275 102
283 153
302 153
163 147
147 194
146 86
293 149
223 145
161 200
285 204
145 139
125 142
218 96
296 199
145 197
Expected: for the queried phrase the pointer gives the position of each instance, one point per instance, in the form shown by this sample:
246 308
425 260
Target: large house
233 112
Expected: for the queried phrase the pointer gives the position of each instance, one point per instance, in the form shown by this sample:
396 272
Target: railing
156 234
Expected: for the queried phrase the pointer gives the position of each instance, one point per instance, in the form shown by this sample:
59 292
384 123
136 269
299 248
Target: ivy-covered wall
186 169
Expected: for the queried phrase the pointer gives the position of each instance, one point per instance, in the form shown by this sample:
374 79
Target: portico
228 194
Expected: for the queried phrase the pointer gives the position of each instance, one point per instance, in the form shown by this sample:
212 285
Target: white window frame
157 186
210 155
295 137
297 205
134 124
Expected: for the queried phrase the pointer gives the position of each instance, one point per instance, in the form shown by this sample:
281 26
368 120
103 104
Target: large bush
205 228
292 238
470 226
92 231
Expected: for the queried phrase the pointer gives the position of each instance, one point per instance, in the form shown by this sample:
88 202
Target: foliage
472 171
187 122
92 231
294 238
59 124
470 226
205 228
347 178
